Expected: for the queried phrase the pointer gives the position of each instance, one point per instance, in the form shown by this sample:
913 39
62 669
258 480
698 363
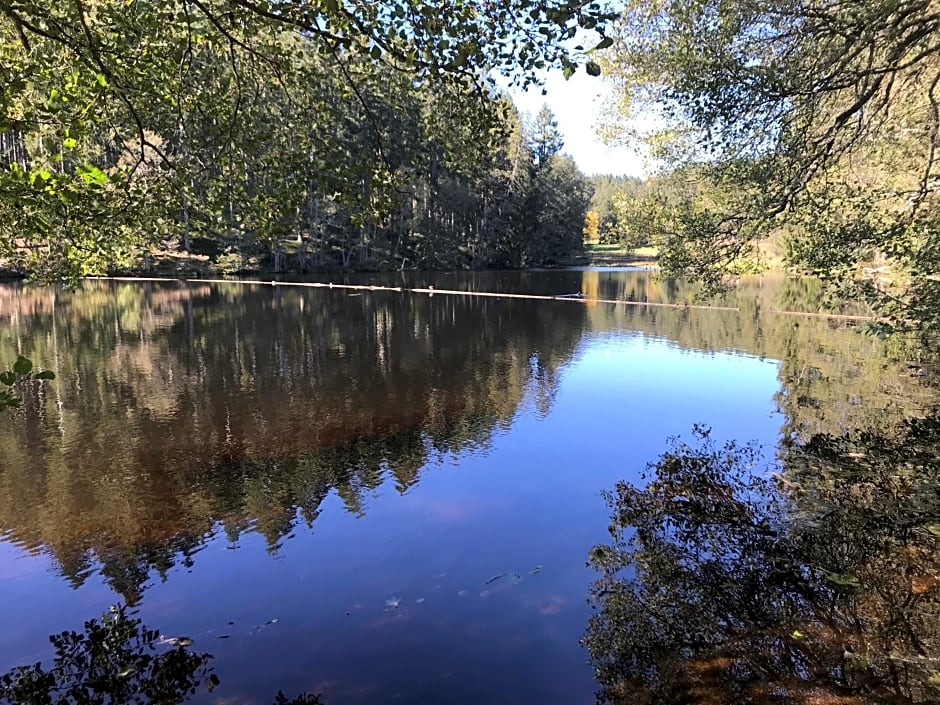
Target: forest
275 137
803 134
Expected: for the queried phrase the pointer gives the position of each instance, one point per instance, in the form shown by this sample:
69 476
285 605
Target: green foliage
545 137
817 125
19 373
607 189
556 207
128 126
548 202
115 660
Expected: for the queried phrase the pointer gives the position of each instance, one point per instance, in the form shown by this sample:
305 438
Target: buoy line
432 291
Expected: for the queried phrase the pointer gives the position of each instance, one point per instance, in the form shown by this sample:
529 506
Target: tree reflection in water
117 660
726 583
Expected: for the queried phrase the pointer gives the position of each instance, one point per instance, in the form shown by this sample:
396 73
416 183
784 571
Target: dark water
375 496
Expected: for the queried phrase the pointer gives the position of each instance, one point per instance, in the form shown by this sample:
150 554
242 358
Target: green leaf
593 68
92 175
100 78
843 580
46 375
604 43
22 366
7 378
934 529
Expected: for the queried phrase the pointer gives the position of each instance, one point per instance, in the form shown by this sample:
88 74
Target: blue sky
577 106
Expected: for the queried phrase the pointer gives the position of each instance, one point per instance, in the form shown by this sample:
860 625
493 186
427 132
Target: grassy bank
616 255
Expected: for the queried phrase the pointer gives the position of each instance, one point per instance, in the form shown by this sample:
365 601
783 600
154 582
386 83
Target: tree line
281 136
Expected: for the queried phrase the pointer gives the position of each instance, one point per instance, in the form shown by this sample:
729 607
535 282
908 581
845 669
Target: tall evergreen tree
546 137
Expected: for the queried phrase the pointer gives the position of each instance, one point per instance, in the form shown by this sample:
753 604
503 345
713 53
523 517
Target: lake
381 496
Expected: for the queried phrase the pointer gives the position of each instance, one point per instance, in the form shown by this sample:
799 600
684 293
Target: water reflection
362 449
237 405
118 659
818 585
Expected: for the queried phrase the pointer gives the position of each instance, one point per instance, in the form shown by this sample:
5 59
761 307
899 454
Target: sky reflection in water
459 578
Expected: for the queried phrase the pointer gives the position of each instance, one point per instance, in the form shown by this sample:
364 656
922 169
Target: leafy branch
21 371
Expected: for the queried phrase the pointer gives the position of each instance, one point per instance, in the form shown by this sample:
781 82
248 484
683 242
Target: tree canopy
814 122
130 122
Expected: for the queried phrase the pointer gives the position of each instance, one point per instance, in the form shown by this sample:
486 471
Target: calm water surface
376 496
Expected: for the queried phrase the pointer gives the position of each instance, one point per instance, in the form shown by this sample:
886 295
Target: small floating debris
176 641
419 601
393 603
513 578
273 620
461 593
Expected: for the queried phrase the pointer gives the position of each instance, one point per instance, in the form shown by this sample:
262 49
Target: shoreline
200 266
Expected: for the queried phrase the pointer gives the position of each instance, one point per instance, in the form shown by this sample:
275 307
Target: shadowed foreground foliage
117 660
20 371
820 584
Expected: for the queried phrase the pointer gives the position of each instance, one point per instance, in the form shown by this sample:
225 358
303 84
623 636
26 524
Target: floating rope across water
431 291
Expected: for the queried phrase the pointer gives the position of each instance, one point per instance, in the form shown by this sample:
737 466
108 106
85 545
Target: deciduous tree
817 119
